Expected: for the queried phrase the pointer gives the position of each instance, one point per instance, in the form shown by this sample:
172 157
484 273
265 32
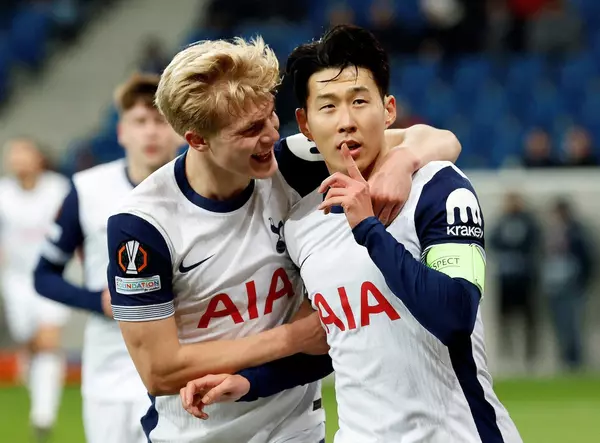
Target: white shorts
26 310
114 422
314 435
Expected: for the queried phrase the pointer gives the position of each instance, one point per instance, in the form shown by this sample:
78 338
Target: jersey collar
207 203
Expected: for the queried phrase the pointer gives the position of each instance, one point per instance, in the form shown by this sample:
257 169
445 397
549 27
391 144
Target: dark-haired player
400 304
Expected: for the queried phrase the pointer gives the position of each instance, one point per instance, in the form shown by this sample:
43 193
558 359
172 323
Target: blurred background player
29 199
114 396
515 239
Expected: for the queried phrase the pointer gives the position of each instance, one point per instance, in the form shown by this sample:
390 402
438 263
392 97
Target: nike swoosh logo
184 269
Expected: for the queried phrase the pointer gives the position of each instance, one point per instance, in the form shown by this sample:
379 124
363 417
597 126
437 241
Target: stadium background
491 71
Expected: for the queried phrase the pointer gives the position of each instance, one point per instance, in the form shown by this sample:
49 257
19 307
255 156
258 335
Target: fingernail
206 400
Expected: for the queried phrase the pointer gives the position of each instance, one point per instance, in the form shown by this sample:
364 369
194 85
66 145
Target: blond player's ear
196 141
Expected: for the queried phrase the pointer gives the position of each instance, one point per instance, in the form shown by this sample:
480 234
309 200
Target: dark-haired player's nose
346 123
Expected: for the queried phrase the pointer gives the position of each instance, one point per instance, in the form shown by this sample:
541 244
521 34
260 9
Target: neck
138 173
379 160
211 181
28 182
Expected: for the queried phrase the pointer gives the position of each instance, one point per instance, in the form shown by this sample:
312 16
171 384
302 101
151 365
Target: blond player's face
147 137
246 147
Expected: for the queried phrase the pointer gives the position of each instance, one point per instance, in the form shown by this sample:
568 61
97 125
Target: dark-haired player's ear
389 104
302 120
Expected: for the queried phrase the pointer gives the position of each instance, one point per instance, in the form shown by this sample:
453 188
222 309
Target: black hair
340 47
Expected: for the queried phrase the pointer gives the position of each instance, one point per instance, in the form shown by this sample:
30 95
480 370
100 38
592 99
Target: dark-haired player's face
346 108
148 138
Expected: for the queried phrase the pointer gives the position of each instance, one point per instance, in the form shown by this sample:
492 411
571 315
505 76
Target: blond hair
209 84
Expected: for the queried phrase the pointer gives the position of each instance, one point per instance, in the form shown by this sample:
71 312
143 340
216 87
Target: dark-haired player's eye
360 101
326 107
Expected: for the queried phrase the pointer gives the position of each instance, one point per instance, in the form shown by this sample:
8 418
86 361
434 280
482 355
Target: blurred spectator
538 150
154 57
66 15
516 242
404 116
457 25
566 272
341 13
231 13
579 149
542 30
384 24
499 25
522 11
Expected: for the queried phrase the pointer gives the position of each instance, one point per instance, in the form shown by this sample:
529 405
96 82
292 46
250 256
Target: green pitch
548 411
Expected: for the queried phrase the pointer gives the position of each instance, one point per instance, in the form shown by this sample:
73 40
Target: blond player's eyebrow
260 121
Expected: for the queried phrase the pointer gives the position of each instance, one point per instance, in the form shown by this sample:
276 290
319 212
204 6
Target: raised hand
351 192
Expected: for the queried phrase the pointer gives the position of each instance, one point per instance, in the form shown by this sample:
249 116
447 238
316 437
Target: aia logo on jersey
372 302
223 305
132 257
280 246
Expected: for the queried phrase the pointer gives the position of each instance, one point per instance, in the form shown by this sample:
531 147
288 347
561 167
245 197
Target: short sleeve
65 234
448 211
140 273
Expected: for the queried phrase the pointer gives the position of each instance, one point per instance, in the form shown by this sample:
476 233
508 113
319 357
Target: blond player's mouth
263 158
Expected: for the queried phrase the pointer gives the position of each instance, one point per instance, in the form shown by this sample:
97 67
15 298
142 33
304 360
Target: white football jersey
108 373
395 380
25 219
221 268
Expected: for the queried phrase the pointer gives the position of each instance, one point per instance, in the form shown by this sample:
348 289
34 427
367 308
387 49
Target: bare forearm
429 144
167 375
424 144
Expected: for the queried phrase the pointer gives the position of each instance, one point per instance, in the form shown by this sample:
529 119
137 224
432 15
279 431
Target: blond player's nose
271 133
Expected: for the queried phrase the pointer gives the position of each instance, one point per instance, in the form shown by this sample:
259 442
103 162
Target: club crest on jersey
132 257
469 222
280 246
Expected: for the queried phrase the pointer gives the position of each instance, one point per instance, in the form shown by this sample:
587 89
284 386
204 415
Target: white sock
46 378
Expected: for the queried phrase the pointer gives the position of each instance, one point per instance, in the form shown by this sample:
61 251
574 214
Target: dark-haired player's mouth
351 145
